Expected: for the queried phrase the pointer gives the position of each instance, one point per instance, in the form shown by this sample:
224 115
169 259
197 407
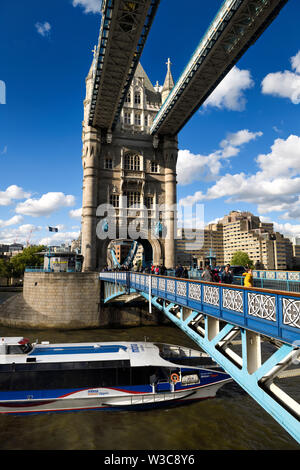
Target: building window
133 198
154 167
132 162
108 164
127 118
114 200
137 119
146 120
128 98
137 98
149 202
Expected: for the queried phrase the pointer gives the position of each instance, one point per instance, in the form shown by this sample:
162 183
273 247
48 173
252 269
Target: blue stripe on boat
39 351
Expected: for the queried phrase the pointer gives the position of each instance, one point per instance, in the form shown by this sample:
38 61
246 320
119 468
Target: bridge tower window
137 97
154 167
137 119
133 198
132 162
128 98
108 164
114 200
149 202
127 118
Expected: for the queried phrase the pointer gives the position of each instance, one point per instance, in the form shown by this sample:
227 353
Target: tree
241 258
28 257
6 269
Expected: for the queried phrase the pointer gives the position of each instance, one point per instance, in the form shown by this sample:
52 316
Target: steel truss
124 29
218 338
236 27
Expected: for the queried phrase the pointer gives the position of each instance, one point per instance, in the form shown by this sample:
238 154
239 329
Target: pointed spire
169 82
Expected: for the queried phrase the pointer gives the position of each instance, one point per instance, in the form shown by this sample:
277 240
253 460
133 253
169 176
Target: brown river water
231 421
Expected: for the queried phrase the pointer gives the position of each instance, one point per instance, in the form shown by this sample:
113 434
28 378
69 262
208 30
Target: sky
240 150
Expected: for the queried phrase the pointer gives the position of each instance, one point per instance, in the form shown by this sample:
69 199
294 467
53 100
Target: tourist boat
44 377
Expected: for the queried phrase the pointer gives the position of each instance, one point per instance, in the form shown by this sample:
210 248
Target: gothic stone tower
129 162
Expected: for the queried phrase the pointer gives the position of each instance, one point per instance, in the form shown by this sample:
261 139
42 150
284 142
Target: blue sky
239 151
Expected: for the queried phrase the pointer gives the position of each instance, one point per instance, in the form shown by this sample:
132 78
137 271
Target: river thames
232 420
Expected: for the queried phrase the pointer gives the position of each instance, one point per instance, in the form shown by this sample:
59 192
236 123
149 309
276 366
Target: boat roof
13 340
138 353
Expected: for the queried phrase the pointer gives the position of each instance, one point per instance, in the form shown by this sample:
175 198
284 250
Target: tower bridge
129 160
130 127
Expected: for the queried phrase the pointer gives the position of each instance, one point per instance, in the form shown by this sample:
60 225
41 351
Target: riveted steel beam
236 27
124 29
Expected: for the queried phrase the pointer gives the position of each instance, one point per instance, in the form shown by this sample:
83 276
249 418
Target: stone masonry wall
55 300
71 301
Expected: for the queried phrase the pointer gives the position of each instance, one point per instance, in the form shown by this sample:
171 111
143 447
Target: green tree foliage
241 258
5 270
28 257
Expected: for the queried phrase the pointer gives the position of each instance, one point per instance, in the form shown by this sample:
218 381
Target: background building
241 231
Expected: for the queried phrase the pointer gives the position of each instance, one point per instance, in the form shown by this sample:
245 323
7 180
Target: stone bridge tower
129 166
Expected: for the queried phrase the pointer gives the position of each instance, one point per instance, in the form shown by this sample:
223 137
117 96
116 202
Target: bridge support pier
212 327
252 351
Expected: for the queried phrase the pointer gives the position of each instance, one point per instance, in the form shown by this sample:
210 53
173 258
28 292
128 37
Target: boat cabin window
19 348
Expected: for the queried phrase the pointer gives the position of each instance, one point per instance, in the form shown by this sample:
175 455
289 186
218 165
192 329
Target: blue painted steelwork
234 44
195 306
277 275
131 52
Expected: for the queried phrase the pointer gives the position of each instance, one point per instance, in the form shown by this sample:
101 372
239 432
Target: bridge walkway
215 316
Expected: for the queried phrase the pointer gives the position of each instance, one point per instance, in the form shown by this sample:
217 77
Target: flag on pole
53 229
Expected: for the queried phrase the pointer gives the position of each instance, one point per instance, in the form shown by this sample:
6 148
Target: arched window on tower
132 162
128 98
137 97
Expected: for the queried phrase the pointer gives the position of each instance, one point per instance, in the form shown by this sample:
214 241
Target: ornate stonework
127 163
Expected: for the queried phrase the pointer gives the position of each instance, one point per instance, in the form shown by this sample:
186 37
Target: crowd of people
208 275
226 276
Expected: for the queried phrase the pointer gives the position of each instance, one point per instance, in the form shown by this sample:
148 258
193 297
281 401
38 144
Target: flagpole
51 229
49 260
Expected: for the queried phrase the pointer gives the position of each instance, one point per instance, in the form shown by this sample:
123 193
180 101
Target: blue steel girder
200 310
124 29
235 28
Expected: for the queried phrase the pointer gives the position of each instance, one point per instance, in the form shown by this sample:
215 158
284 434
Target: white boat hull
83 400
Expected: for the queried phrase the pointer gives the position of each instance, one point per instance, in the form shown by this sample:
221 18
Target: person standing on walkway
227 277
248 280
206 275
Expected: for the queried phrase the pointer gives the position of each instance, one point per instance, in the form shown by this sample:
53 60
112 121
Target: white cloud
229 94
11 193
275 187
76 213
43 28
90 6
19 235
284 84
59 238
15 220
284 158
239 138
191 167
48 203
192 200
295 61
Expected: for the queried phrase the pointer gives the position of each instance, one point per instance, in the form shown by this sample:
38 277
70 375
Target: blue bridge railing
214 315
271 313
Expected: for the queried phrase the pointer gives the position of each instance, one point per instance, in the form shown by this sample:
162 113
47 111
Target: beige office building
242 231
